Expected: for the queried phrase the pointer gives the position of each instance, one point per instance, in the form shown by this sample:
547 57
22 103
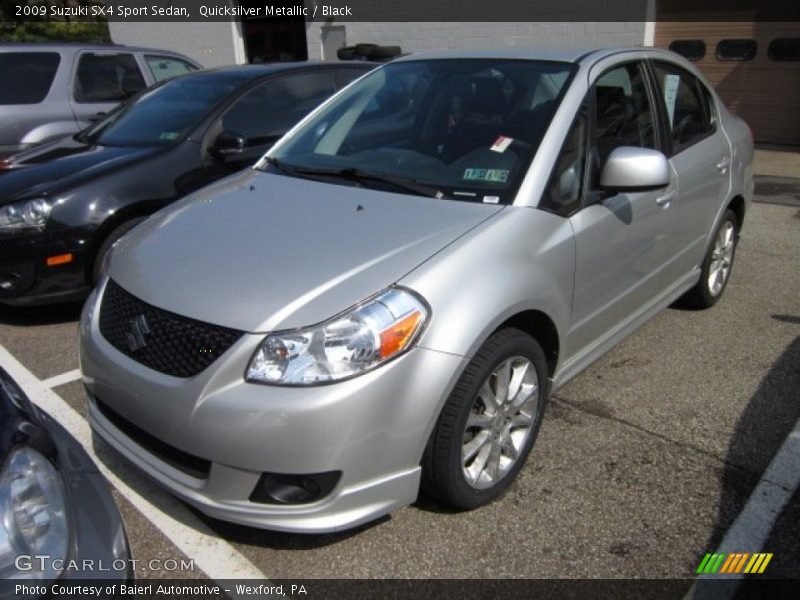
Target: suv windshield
163 114
465 129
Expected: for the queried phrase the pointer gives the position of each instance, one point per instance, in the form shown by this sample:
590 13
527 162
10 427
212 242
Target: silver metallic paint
263 252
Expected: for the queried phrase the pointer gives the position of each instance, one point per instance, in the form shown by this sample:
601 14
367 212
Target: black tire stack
372 52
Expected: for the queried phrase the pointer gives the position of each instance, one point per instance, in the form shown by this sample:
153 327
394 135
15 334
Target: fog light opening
275 488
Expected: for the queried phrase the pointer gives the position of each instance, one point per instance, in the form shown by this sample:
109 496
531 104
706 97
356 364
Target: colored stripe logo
735 562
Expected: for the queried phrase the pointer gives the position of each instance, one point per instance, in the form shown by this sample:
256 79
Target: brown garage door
755 67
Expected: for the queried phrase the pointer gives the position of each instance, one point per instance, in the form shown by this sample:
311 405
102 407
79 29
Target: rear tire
717 265
489 423
112 237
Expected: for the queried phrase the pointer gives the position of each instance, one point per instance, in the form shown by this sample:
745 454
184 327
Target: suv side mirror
228 144
635 170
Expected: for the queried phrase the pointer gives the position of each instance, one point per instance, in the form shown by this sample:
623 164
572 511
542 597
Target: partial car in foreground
59 521
390 296
54 90
63 204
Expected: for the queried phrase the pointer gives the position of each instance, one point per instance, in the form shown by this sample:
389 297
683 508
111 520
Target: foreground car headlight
33 519
352 343
25 216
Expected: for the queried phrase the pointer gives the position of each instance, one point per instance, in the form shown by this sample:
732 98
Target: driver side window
623 113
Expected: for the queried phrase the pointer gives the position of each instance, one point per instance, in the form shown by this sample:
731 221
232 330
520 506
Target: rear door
701 156
622 240
102 79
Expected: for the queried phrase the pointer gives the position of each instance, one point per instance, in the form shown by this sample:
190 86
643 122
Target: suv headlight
34 519
352 343
29 215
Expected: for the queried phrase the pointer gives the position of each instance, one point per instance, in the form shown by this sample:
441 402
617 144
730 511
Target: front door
622 239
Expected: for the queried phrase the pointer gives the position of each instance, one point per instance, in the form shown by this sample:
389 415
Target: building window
693 50
737 49
784 49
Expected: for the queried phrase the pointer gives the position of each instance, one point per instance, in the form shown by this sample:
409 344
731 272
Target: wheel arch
737 205
104 229
542 328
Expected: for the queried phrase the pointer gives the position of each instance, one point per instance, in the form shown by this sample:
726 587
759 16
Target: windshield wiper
352 174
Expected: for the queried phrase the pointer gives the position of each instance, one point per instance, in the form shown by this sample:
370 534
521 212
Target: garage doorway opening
274 39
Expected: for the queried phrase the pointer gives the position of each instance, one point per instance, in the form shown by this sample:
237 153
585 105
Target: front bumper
25 277
372 428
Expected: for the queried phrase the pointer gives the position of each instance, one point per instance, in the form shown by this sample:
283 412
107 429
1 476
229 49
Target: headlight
352 343
25 216
33 517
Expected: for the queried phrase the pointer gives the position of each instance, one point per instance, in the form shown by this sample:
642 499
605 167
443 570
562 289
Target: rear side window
107 78
166 67
270 109
27 76
693 50
784 49
688 104
347 76
737 49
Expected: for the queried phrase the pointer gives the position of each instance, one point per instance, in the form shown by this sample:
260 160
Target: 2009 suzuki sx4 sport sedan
385 301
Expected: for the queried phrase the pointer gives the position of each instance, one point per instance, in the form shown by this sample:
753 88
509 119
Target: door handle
724 164
665 200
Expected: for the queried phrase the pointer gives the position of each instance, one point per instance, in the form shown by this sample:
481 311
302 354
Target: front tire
717 264
489 423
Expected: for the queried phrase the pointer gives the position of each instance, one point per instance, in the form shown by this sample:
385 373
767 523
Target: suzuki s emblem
136 335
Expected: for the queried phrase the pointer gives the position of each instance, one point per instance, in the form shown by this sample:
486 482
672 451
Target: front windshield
164 114
464 129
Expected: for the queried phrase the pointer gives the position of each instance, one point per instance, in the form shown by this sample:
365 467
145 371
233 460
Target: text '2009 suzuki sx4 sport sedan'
385 301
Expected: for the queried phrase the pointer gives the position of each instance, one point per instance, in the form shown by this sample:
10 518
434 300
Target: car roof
571 55
263 69
81 46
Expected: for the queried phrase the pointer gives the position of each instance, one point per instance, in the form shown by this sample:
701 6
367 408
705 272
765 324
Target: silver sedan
385 301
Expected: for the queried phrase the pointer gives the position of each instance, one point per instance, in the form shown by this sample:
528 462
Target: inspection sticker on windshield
501 144
492 175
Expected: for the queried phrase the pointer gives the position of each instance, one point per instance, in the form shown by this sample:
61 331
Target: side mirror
228 144
630 169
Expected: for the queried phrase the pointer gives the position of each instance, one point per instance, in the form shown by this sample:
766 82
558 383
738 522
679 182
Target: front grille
193 466
160 339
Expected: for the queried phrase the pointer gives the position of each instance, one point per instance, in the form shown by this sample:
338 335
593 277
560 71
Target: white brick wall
215 44
413 37
212 44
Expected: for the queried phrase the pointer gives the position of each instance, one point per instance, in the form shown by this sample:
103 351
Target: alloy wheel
499 422
721 258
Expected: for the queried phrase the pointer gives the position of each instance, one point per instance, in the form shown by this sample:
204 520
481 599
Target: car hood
261 252
57 166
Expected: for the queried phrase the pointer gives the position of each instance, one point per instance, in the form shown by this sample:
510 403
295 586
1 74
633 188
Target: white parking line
58 380
216 557
752 527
